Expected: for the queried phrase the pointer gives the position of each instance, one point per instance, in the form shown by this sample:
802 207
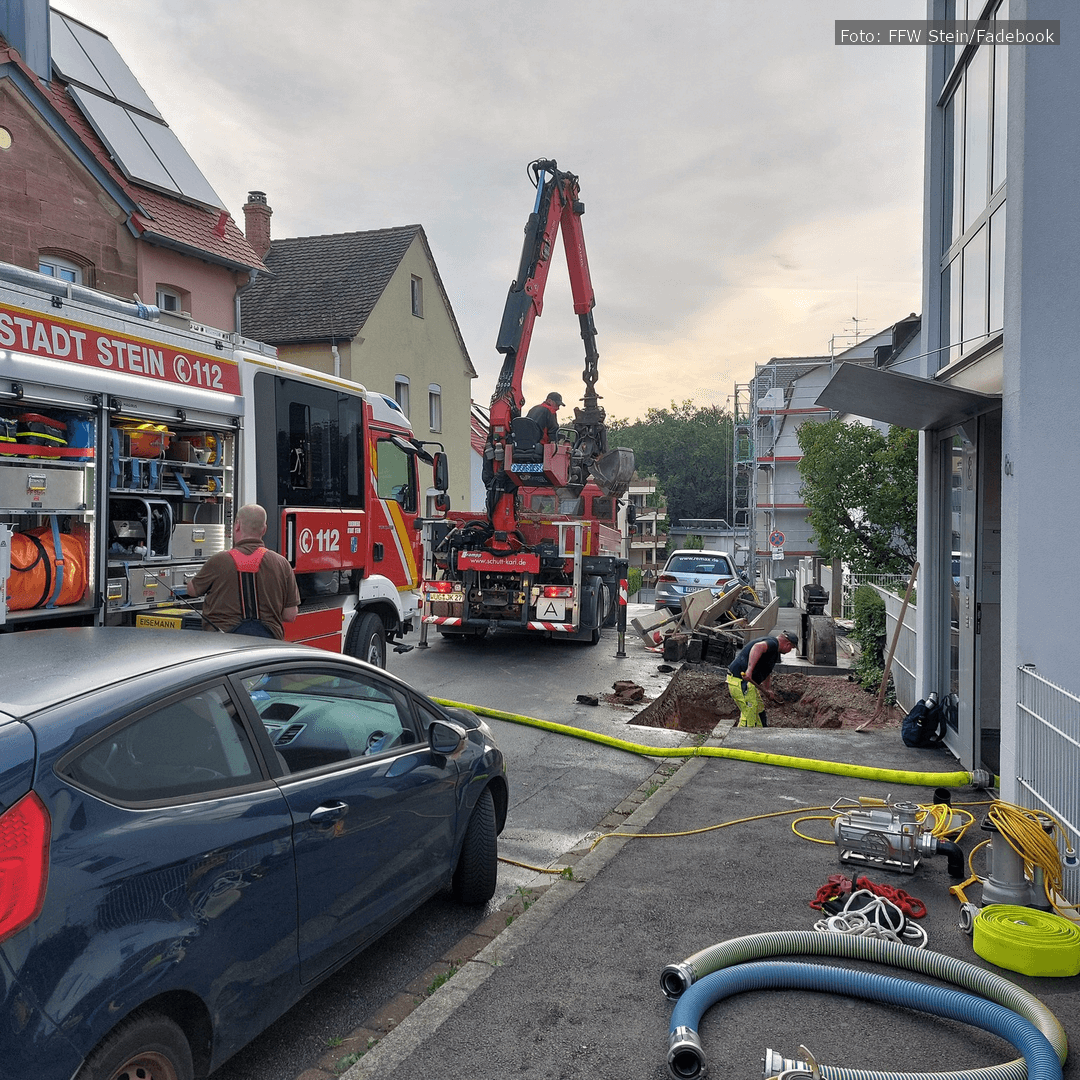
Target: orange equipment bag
32 583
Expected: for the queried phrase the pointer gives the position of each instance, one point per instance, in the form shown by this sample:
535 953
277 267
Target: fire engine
546 556
130 437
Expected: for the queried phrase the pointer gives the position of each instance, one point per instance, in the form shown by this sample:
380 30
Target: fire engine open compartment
166 490
170 507
48 499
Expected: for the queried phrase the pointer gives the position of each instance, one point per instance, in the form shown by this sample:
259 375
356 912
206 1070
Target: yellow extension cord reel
1026 940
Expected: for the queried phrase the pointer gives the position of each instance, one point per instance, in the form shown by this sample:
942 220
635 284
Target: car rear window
706 564
192 745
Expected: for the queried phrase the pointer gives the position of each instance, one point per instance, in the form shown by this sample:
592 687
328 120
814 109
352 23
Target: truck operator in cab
546 414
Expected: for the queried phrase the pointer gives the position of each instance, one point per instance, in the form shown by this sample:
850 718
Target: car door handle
328 812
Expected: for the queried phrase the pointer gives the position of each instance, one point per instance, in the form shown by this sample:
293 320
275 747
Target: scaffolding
760 415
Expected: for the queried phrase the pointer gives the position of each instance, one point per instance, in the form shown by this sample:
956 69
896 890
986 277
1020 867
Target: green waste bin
785 591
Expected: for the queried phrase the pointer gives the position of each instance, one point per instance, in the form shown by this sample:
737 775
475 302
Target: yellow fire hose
837 768
1027 940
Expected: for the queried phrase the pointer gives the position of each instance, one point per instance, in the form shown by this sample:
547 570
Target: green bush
869 635
633 580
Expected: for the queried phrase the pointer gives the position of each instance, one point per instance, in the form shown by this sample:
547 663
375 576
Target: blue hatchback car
195 830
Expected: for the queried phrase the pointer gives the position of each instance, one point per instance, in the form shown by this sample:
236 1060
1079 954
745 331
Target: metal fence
1048 755
894 583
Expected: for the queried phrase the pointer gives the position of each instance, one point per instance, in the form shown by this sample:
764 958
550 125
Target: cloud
740 172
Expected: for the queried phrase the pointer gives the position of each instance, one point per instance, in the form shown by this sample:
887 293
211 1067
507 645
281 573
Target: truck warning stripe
401 541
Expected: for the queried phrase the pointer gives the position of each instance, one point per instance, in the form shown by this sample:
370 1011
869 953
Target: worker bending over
750 676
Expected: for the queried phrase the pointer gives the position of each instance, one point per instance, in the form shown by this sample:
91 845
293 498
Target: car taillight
558 590
24 863
442 586
667 579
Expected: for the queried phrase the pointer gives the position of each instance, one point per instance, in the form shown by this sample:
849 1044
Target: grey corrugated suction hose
686 1060
677 978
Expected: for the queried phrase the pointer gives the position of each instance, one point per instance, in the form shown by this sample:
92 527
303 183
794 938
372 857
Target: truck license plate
548 610
446 598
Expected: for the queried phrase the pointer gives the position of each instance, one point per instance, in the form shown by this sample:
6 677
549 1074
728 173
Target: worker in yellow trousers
750 676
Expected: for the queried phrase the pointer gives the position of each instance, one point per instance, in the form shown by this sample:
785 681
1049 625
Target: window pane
1001 85
958 163
317 718
976 135
950 194
401 394
394 475
976 281
352 453
435 411
193 745
56 267
299 446
997 269
950 314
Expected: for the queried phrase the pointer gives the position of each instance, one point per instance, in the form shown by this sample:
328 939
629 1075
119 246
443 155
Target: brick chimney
257 222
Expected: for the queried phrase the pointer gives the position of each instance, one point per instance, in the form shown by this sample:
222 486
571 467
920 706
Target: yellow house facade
369 307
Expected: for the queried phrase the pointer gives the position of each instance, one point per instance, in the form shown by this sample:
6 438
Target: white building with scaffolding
769 513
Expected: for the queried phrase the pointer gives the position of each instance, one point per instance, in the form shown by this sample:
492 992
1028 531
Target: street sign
778 554
776 538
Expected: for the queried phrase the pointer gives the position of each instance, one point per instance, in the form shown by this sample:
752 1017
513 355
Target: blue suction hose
686 1061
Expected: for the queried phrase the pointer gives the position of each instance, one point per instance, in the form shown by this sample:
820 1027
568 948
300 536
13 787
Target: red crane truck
546 557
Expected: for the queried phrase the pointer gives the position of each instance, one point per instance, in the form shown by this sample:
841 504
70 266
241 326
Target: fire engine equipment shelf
36 487
140 528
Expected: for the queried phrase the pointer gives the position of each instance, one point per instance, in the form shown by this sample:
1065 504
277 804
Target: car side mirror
441 472
446 738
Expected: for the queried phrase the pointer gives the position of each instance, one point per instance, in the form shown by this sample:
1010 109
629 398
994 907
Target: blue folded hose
686 1060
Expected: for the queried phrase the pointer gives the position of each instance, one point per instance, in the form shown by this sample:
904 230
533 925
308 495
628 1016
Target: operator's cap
792 637
555 396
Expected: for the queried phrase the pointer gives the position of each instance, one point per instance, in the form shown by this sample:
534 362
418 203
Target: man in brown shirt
249 589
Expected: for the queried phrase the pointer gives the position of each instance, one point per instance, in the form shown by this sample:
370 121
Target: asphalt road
560 789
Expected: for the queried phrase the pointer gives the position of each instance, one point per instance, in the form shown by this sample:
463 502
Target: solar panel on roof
70 59
177 161
110 97
117 130
88 57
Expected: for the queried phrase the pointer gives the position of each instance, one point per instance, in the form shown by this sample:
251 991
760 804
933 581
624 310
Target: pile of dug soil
697 700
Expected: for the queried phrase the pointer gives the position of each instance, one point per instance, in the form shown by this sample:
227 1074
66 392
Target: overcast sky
750 187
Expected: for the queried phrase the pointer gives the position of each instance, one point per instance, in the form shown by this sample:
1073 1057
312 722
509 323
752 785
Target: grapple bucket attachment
613 471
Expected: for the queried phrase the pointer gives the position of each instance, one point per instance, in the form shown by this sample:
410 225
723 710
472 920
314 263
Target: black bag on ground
924 726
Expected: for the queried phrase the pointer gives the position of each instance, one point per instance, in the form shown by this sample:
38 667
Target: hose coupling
685 1058
981 778
775 1064
968 912
676 979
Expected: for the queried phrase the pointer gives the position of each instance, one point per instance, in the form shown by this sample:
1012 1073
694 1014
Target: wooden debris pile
708 629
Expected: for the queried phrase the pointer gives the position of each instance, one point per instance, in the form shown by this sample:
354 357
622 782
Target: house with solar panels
97 189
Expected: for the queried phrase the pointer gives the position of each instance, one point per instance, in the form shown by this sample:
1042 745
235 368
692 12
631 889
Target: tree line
688 448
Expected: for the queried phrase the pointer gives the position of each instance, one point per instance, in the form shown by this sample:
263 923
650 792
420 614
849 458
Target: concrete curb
426 1019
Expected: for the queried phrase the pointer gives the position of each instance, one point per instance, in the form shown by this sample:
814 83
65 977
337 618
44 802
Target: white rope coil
865 914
